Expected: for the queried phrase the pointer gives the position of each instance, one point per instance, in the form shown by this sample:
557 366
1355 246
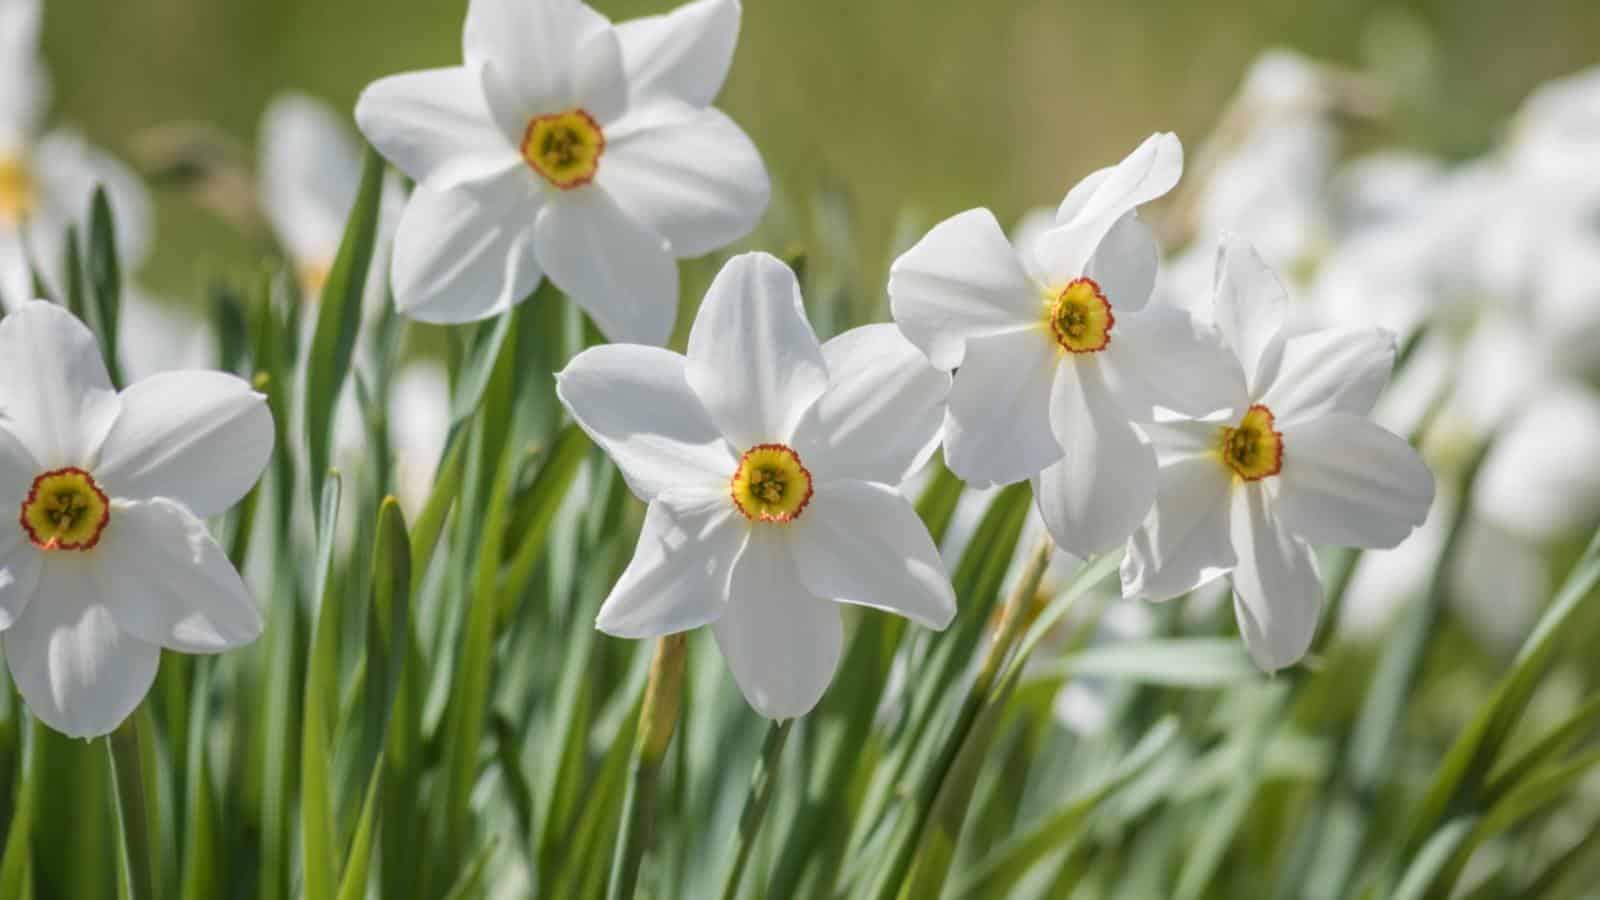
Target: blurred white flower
570 148
109 561
767 462
47 182
1294 462
155 334
1057 350
1540 480
419 419
1557 131
310 170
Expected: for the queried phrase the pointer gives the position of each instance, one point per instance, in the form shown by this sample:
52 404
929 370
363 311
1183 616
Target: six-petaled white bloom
48 180
1057 352
1293 461
570 148
104 559
767 461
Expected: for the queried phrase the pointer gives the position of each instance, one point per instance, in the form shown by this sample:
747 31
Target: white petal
18 468
697 181
997 430
863 543
69 168
1181 439
882 414
1105 484
79 673
961 281
535 48
1250 309
1150 171
678 578
619 270
423 121
683 55
753 359
466 252
1161 360
19 573
781 642
1186 540
1124 264
636 404
201 438
168 583
1338 370
1539 480
1346 481
1277 591
309 172
55 395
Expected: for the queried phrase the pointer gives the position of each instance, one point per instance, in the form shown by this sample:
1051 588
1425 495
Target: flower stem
755 805
658 718
132 806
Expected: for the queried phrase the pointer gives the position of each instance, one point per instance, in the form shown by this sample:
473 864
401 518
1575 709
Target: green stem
658 718
132 807
755 805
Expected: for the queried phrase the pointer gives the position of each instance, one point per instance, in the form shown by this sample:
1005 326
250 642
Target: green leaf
339 318
1434 858
105 280
321 695
1192 662
358 862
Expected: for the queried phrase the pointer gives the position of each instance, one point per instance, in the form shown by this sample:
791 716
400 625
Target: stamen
564 148
65 510
1253 449
18 195
1080 317
771 484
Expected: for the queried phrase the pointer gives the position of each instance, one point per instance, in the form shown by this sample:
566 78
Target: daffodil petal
535 49
78 672
618 269
753 359
55 395
1346 481
678 578
882 415
1277 591
1250 305
1186 541
682 55
18 468
19 573
423 121
781 642
167 582
962 281
1333 371
1105 484
698 181
863 543
1149 172
201 438
309 171
635 402
1124 264
997 430
1161 361
465 252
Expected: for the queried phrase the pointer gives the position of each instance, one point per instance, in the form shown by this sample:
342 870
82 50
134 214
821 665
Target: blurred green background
936 105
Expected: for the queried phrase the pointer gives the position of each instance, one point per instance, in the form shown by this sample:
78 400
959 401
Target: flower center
1080 317
65 510
564 148
17 192
1252 449
771 484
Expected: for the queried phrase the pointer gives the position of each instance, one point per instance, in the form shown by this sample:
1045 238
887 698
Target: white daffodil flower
107 560
570 148
1294 462
1057 352
767 461
47 182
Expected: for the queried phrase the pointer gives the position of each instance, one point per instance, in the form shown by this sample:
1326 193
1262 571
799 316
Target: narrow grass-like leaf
317 831
1191 662
357 864
339 317
105 281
